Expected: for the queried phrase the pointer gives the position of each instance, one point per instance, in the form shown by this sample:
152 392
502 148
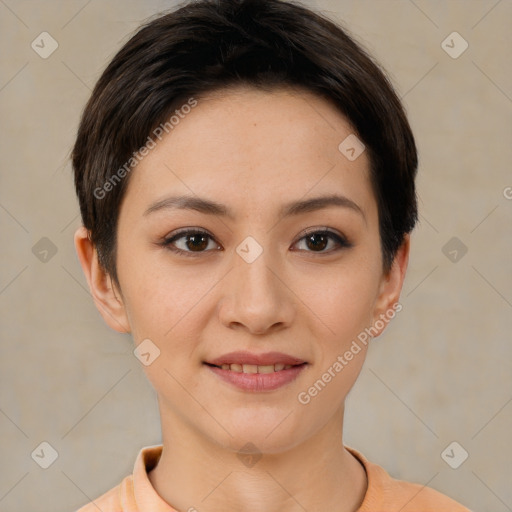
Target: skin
252 151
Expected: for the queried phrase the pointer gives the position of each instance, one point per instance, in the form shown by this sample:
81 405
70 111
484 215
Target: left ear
390 287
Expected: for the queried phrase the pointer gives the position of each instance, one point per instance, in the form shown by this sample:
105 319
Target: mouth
252 372
254 368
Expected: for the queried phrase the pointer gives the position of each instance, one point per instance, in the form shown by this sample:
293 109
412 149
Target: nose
257 297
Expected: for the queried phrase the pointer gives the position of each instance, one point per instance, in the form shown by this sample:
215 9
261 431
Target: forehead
244 146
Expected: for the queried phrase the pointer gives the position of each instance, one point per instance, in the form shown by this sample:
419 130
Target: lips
257 373
247 358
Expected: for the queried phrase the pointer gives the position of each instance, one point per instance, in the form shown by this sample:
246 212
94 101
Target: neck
194 472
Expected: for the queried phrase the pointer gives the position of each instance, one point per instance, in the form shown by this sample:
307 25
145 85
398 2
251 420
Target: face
252 274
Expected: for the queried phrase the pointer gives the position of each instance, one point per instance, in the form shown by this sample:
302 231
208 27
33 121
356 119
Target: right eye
192 241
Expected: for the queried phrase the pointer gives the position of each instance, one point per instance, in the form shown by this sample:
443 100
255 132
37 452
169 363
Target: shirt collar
142 496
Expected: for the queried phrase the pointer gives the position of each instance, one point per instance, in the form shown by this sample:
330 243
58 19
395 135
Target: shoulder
122 497
388 494
111 501
412 497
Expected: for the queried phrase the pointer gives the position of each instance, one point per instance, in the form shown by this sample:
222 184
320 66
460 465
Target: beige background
440 373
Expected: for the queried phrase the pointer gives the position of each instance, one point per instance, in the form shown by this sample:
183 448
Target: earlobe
391 287
109 303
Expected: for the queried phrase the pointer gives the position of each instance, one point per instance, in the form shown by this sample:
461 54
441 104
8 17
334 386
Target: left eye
189 242
320 239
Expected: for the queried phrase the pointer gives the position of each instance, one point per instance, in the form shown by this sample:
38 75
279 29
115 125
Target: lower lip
258 381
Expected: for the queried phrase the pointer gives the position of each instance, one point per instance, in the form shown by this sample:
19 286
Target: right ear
109 304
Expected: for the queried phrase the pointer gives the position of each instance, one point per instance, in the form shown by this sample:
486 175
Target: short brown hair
207 45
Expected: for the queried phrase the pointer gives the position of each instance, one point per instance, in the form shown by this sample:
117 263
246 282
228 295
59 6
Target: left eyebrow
210 207
317 203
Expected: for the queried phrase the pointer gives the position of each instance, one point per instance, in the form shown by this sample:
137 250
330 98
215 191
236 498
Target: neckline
145 496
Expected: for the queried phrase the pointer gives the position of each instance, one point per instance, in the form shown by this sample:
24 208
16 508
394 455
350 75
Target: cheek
165 303
342 299
342 303
146 294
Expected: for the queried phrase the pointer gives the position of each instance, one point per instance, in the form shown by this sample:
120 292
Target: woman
245 174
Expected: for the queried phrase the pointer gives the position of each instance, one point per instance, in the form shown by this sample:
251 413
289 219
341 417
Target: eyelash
342 242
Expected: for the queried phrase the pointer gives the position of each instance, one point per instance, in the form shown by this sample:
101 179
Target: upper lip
268 358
